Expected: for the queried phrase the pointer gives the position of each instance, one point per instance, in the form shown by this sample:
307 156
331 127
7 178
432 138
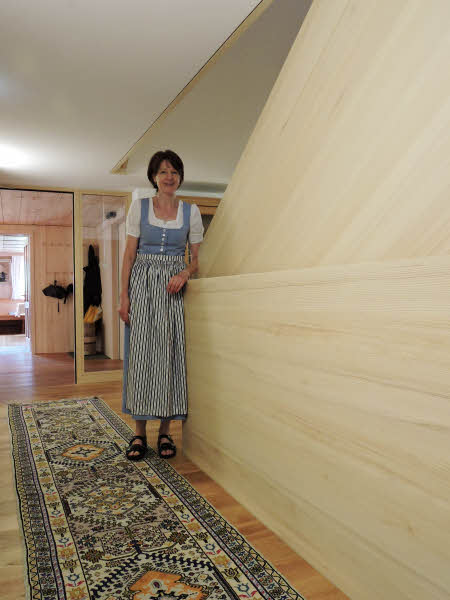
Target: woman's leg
140 430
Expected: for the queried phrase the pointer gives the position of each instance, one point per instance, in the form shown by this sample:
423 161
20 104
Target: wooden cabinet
10 324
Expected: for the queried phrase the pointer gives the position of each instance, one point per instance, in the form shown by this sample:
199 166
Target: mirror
103 243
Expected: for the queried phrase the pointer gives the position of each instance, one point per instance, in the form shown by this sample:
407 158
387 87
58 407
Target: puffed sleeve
134 218
196 229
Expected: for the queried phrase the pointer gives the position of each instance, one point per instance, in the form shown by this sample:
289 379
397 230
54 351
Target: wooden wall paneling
348 159
320 399
55 328
33 207
49 319
10 203
206 205
59 251
32 299
40 282
318 339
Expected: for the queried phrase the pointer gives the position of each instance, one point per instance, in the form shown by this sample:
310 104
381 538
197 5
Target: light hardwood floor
25 378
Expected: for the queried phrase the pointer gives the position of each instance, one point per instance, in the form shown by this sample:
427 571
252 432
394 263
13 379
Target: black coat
92 288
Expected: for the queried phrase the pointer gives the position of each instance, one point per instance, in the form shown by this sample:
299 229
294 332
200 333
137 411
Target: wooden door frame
77 247
81 375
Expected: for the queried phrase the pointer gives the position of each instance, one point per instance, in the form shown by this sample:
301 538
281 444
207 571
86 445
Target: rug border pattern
192 510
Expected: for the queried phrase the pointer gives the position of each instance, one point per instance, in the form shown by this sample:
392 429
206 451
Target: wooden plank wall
318 336
53 260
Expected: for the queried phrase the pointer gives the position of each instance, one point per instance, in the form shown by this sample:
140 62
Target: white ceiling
82 80
213 123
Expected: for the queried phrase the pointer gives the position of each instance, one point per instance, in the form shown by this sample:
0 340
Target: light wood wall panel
26 207
320 398
53 260
318 339
349 159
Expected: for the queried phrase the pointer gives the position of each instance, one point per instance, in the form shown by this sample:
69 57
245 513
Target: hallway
25 378
20 370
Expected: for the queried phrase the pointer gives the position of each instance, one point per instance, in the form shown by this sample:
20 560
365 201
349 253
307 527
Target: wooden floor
24 377
102 364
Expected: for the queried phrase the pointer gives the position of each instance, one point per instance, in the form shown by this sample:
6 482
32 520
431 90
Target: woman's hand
124 310
177 281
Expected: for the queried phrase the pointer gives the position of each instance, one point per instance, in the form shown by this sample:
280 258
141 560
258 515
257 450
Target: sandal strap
166 446
143 438
165 435
133 447
136 448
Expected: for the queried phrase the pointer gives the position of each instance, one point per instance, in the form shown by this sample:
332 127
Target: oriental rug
96 525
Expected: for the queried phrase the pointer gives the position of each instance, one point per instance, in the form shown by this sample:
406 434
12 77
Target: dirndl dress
154 382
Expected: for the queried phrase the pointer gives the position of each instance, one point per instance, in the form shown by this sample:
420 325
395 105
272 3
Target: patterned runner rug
96 525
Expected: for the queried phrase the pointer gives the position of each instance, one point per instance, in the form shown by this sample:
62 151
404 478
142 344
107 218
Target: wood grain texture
25 378
25 207
54 260
320 399
349 159
318 338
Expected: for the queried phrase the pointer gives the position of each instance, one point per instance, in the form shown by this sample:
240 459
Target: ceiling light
11 158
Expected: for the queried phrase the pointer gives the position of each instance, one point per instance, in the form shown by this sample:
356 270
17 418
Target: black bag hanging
57 291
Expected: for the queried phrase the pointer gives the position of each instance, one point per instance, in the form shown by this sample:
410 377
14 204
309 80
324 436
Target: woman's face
167 178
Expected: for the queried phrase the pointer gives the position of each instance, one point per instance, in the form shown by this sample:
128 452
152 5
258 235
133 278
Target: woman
154 275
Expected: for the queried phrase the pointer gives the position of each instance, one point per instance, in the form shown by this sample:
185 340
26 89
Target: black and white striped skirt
154 383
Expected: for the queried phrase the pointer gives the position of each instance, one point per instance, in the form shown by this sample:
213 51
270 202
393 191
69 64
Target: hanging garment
92 288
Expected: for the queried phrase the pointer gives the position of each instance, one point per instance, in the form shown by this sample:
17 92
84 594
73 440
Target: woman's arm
177 281
129 256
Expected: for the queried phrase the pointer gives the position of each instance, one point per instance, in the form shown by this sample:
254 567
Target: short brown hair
158 158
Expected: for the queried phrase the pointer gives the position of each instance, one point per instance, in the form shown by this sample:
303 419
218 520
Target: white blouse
134 220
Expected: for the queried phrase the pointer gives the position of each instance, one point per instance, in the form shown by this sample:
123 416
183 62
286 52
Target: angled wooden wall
318 336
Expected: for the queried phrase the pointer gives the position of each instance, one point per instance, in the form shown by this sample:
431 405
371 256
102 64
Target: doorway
36 331
15 330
